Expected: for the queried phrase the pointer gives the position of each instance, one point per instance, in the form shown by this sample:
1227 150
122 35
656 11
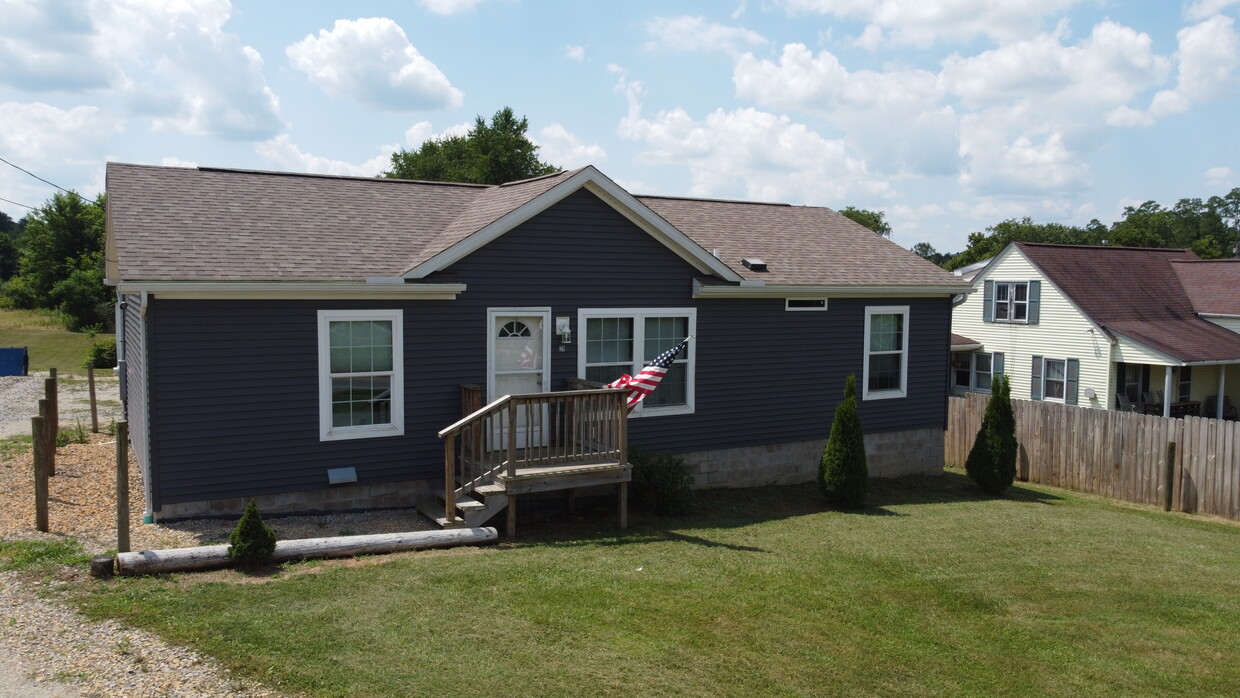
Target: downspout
120 353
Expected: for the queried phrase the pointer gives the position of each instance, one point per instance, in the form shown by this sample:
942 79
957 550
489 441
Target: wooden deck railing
539 429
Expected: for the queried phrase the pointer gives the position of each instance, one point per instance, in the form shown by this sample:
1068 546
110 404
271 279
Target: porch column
1222 383
1167 392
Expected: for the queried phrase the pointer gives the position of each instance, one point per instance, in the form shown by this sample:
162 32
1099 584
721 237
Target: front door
517 346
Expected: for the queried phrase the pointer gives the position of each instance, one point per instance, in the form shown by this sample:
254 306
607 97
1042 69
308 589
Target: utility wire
9 201
36 177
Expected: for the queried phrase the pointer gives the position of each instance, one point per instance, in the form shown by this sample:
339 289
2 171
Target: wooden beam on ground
213 556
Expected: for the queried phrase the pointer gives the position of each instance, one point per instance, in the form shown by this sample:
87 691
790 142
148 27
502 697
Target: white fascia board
966 347
701 290
604 188
296 290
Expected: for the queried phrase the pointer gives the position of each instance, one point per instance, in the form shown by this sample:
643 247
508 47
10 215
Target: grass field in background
934 590
48 343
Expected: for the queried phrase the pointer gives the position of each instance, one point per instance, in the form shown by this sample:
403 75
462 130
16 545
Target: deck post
449 478
512 439
624 504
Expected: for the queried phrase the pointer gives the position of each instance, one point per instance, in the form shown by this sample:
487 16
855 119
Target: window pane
361 400
887 332
1021 292
340 360
1054 369
885 371
609 340
663 333
1001 292
606 374
982 361
1020 311
672 389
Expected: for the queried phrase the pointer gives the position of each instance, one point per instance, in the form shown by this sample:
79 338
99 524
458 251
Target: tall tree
988 244
874 220
492 153
61 261
8 247
927 252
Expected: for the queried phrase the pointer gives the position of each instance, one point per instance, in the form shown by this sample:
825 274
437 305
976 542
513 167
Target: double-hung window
1011 301
361 381
619 341
886 352
1057 380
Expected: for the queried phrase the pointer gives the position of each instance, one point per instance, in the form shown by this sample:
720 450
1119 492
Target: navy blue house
303 339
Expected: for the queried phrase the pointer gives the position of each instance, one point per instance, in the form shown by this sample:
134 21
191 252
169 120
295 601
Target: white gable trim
598 184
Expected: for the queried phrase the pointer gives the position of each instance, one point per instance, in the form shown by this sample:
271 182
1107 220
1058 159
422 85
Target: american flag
645 382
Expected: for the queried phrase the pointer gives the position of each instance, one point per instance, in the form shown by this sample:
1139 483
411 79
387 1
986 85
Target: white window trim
866 393
1011 302
1060 400
788 305
639 316
327 432
973 372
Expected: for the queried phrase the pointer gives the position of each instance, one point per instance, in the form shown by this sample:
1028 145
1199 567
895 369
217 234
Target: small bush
71 435
661 483
101 354
992 460
843 474
252 542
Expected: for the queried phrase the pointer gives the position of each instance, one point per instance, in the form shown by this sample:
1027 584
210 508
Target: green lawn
48 343
935 590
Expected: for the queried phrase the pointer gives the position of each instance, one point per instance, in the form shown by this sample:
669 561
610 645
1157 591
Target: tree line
1209 227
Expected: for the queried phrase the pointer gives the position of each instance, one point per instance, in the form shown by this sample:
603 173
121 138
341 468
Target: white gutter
374 289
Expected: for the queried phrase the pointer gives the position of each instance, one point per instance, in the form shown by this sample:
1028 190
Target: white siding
1133 352
1062 332
1231 323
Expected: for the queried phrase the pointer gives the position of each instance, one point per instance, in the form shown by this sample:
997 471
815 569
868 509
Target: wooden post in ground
1169 477
94 406
122 486
39 446
49 436
512 515
624 504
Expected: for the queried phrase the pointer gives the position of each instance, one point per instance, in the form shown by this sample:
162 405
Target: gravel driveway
20 395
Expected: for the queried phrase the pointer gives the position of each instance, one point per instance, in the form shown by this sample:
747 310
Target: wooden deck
524 444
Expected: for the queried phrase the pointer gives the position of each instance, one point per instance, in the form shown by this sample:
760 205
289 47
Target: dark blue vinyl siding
236 383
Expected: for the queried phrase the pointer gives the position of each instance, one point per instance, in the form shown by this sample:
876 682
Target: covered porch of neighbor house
524 444
1178 390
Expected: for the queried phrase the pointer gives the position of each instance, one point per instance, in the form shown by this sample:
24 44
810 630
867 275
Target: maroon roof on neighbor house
959 340
1213 286
202 224
1135 292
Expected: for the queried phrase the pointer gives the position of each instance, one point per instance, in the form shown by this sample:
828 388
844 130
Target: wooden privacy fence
1121 455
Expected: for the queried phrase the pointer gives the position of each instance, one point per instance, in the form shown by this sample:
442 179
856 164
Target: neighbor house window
361 382
1057 380
886 352
975 370
1054 380
619 341
982 372
1011 301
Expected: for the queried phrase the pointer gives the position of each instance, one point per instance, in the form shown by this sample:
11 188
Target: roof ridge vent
754 264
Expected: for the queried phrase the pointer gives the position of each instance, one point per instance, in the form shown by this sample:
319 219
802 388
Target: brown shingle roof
180 224
1213 286
1136 293
801 245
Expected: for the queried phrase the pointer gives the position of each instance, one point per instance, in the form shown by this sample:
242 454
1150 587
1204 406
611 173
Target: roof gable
1213 286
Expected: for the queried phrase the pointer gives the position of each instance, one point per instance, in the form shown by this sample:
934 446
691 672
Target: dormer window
1012 301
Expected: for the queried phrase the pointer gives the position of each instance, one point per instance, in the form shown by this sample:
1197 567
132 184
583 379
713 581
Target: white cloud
171 161
1219 177
1207 8
372 61
748 153
50 46
65 146
687 33
575 53
422 131
926 22
561 148
282 153
898 118
449 7
1209 53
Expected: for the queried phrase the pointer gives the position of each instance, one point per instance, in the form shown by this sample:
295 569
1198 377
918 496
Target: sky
947 115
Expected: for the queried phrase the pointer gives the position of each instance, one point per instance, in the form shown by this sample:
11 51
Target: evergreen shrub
842 474
992 460
252 542
661 483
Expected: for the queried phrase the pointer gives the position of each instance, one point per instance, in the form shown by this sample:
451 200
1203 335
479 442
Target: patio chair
1209 407
1125 405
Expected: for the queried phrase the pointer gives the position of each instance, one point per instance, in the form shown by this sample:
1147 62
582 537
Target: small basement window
805 304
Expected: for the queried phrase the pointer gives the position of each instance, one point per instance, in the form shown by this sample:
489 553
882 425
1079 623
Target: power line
36 177
8 201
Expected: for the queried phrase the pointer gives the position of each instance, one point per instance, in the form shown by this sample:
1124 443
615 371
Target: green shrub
661 483
843 474
252 542
101 353
71 435
992 460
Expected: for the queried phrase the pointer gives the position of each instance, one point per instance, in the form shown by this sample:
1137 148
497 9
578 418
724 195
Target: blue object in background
14 361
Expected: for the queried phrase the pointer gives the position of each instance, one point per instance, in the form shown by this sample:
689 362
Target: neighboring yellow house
1103 327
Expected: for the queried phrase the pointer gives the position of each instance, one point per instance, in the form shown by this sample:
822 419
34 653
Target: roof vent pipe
754 264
